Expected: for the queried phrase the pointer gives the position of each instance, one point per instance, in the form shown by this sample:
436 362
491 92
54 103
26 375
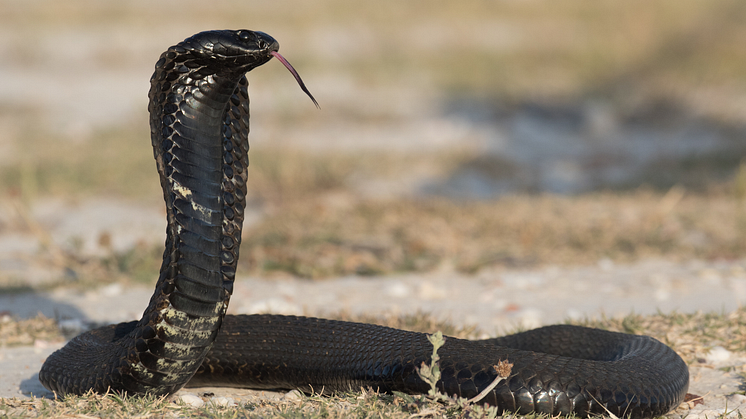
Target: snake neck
199 120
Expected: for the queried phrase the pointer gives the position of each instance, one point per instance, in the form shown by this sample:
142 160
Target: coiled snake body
199 119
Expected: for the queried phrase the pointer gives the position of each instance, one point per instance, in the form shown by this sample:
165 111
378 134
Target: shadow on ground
587 145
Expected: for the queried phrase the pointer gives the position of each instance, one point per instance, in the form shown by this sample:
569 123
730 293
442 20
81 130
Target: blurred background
451 136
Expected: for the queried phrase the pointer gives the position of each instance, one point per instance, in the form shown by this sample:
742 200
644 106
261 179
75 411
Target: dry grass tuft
15 332
364 404
312 238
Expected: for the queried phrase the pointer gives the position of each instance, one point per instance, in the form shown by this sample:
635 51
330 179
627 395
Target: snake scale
199 119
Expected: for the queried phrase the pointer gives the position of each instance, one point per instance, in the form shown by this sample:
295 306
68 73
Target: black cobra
199 119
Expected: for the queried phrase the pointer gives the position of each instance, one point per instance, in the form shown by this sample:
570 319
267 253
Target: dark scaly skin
557 369
199 129
199 125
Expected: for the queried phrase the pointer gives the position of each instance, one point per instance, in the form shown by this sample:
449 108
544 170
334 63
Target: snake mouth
295 74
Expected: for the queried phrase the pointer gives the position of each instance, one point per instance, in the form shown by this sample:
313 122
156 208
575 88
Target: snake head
234 51
227 52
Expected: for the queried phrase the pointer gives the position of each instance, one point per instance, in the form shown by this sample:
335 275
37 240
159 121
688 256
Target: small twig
503 370
695 400
613 416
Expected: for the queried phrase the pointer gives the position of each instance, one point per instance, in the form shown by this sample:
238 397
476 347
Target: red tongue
295 74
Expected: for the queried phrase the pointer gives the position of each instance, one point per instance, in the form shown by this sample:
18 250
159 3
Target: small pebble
71 327
735 400
574 314
111 290
606 264
398 290
718 355
191 400
429 291
223 401
292 395
41 344
274 306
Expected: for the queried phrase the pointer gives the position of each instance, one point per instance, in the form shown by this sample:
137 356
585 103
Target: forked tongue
295 74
